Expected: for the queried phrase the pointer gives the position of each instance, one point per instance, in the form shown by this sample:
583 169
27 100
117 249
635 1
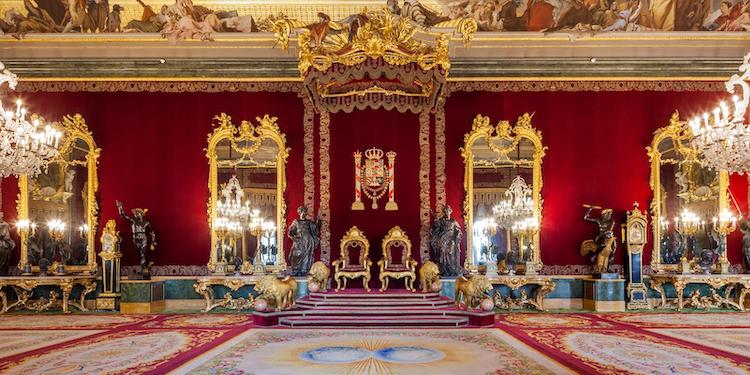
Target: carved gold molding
440 178
680 133
266 128
570 85
482 128
74 127
308 127
324 209
424 184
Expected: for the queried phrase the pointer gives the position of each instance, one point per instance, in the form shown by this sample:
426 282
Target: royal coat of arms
374 179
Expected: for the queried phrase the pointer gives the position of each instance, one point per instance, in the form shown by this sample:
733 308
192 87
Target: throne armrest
411 264
381 264
338 263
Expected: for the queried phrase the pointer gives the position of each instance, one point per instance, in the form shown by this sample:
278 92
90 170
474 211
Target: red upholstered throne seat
397 262
354 261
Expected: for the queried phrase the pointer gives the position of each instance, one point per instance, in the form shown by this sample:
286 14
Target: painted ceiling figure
445 244
305 236
539 15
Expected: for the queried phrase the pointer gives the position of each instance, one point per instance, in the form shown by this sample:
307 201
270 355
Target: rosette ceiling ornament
26 144
723 136
373 59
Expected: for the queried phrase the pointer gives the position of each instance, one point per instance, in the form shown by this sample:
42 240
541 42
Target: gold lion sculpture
429 273
279 293
471 290
320 273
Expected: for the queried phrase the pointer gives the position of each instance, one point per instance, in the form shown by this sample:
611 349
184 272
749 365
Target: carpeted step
314 303
361 294
375 321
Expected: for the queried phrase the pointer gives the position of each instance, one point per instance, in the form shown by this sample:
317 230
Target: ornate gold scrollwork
247 139
679 133
501 139
74 128
345 268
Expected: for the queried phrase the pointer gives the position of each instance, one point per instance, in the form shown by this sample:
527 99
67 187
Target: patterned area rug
643 343
407 352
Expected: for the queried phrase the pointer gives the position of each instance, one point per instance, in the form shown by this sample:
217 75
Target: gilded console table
25 286
714 281
204 287
545 285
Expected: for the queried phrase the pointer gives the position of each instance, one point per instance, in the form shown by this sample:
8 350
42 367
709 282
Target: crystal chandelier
517 205
233 207
26 147
723 136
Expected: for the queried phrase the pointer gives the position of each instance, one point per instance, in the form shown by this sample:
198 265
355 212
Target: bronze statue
603 246
7 245
445 244
745 229
142 230
305 236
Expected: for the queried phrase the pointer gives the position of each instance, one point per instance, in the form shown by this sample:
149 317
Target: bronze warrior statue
445 244
603 246
141 232
745 229
305 236
7 245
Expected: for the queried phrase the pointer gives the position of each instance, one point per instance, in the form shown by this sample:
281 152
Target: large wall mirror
57 209
246 209
686 197
503 183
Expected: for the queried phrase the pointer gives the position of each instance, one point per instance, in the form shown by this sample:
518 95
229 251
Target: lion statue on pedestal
321 274
429 273
279 293
471 290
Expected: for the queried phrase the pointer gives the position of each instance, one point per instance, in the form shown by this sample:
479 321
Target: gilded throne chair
354 261
397 262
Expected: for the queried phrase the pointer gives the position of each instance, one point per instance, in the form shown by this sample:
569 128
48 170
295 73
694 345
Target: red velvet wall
389 131
596 154
153 156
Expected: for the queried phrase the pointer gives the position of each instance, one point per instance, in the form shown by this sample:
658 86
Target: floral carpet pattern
465 351
520 343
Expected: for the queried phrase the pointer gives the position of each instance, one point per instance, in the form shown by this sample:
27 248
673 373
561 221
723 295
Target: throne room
374 187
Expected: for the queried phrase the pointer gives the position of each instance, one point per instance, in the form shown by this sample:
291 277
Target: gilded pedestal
109 298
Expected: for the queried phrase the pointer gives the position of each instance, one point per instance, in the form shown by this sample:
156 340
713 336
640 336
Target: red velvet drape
153 156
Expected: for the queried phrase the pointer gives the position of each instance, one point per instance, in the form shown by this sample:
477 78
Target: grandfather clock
635 236
109 298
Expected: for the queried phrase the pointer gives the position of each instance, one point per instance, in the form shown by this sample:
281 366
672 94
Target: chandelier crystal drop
517 205
723 135
26 146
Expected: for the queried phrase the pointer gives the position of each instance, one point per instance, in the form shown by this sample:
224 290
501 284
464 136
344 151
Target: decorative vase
260 304
313 287
436 286
487 304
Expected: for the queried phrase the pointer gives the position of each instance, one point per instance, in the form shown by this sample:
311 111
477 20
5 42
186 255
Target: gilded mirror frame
680 132
266 128
74 127
523 129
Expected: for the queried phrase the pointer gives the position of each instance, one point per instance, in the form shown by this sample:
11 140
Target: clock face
108 241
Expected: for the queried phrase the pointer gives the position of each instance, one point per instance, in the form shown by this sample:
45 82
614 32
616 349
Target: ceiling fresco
201 19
